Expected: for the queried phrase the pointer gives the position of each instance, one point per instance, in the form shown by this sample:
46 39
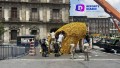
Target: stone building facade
32 17
99 25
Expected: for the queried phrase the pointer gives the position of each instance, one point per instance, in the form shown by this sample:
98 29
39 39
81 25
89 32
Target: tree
1 28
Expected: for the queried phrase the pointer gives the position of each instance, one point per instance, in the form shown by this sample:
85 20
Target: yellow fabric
73 31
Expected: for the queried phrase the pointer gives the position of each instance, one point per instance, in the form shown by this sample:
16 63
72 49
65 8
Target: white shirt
60 38
52 35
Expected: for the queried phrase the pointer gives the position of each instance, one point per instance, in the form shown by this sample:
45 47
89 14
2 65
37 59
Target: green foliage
1 28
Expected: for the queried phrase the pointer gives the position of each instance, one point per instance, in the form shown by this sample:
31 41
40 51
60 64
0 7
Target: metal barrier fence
9 51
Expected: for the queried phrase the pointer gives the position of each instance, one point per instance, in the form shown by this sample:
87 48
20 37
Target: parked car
109 44
116 46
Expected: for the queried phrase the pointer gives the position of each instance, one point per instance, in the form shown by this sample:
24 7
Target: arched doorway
14 32
34 30
13 35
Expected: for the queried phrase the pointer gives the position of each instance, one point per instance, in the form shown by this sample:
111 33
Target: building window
56 14
33 0
34 10
93 21
0 12
34 14
33 32
14 0
96 21
56 1
90 21
107 21
13 34
13 12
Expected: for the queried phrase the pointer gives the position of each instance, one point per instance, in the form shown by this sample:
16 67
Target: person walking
44 47
86 47
60 38
52 35
72 48
56 49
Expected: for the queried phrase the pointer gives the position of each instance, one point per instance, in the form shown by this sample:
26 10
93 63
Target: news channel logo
83 7
80 7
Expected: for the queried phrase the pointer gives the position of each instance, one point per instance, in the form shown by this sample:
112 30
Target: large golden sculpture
73 31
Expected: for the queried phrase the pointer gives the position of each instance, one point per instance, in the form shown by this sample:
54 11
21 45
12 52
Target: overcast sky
98 13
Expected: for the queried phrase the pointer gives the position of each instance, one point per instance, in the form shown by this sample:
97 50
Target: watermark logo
80 7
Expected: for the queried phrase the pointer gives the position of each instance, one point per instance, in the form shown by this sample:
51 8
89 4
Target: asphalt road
98 59
96 53
58 63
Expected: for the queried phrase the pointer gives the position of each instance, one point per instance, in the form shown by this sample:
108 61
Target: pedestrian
72 48
52 35
40 42
60 38
86 47
44 46
56 49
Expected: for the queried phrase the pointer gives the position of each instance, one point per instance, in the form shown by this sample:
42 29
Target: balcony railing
55 1
12 0
34 19
15 0
14 19
56 21
34 1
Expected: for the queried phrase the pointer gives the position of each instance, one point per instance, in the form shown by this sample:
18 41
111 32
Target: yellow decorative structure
73 31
